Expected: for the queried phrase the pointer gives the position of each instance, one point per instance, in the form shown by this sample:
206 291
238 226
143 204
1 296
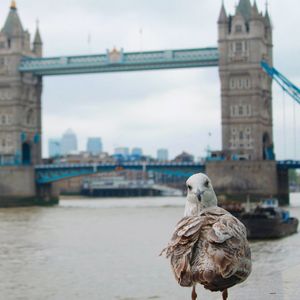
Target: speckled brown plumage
211 249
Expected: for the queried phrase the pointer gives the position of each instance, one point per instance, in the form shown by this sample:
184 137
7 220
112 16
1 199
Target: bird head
200 192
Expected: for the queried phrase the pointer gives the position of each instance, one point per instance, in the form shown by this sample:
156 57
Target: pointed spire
37 41
268 19
223 15
13 5
267 6
37 37
254 11
13 25
244 8
267 16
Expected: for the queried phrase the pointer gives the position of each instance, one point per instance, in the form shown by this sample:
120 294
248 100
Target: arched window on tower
238 28
238 47
240 110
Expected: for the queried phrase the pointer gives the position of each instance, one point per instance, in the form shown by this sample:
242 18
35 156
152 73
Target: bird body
209 245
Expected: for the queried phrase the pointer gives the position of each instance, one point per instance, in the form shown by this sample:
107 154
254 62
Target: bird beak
199 194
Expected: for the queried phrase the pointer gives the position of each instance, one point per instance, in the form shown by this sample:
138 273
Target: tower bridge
119 61
244 41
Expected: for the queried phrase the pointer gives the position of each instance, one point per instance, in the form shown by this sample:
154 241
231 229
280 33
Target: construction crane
285 84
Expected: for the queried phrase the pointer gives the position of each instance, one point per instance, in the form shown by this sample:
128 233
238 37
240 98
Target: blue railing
56 172
288 164
118 61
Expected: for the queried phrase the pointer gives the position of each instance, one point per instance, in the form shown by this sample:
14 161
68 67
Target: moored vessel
268 221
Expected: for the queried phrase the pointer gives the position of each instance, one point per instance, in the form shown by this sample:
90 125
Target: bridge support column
48 194
283 185
238 179
18 188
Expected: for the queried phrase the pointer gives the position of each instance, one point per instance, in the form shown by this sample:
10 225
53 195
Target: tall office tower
137 151
94 145
54 147
162 154
68 142
122 151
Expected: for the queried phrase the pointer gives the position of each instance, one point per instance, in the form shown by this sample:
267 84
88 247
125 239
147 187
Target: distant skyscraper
68 142
162 154
54 147
122 151
137 151
94 145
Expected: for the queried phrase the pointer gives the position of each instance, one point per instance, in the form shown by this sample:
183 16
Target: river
108 249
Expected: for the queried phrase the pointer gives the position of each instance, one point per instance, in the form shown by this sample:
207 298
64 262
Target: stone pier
237 180
18 188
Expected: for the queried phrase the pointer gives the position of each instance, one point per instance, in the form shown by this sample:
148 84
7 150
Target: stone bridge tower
244 40
20 95
249 166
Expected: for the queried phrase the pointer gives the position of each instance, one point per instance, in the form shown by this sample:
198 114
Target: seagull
209 245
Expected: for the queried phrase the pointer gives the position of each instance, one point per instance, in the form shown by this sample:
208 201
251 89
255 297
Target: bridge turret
223 20
37 43
268 36
20 96
244 8
246 92
17 39
223 28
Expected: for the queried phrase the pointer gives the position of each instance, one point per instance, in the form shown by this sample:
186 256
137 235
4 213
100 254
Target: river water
108 249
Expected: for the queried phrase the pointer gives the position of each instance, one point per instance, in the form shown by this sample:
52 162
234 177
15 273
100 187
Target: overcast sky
174 109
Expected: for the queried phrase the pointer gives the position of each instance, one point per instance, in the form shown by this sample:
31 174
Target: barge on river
268 221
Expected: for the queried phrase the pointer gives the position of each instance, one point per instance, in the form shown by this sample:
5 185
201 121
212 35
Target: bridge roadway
55 172
118 61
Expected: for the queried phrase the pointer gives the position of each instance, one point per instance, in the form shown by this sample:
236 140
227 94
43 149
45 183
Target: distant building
124 151
184 157
68 142
162 154
137 151
54 147
94 146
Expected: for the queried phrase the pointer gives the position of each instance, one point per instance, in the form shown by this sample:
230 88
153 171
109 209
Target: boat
119 186
268 221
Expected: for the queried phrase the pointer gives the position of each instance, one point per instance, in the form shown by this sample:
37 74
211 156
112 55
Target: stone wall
18 188
17 181
238 179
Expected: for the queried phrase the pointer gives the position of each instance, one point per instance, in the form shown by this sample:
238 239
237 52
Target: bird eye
206 183
189 187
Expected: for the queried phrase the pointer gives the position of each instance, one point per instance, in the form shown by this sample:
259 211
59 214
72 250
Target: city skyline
92 146
176 109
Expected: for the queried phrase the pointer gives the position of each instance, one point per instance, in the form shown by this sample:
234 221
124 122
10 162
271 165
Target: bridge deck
56 172
118 61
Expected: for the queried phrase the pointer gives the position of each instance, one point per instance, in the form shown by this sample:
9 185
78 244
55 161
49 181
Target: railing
56 172
288 164
117 61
